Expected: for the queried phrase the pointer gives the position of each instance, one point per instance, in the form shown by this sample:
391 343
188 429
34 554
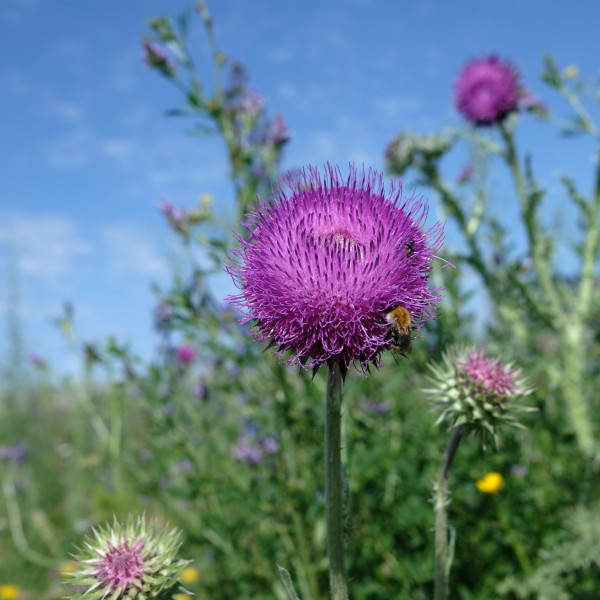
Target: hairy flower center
341 241
121 566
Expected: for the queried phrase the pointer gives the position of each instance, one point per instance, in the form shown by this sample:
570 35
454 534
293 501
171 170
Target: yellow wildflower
491 484
8 591
181 597
68 568
190 575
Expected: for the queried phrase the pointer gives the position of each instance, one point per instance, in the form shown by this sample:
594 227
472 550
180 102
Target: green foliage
228 447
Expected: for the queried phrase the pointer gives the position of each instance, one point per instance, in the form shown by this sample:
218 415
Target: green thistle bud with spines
478 392
134 561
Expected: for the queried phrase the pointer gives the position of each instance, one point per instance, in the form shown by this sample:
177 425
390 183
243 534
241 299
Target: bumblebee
399 330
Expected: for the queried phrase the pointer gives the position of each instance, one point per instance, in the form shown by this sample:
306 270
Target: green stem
570 331
333 486
537 247
441 501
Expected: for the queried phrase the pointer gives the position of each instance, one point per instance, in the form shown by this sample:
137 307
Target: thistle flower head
186 354
326 259
476 391
487 90
131 561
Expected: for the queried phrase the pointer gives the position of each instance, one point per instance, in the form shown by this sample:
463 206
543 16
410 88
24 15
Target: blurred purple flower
327 258
38 362
519 470
176 217
162 316
186 354
251 455
465 175
237 77
269 444
377 408
487 90
278 132
252 103
531 103
201 391
14 454
155 57
487 373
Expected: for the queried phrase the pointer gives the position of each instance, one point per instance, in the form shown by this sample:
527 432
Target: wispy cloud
65 110
44 247
131 251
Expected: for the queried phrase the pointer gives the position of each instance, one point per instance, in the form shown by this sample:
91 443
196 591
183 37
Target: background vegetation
223 441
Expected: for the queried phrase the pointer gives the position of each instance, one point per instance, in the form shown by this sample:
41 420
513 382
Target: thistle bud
135 561
476 391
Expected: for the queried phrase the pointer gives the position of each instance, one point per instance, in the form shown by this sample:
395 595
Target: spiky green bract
134 561
478 392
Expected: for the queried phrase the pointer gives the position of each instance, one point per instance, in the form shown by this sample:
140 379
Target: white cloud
393 106
131 251
44 247
70 112
121 151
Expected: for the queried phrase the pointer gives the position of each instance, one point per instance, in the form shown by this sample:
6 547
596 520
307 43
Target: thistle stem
333 486
441 501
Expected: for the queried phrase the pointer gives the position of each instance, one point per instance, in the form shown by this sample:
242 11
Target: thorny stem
570 330
441 501
529 212
333 486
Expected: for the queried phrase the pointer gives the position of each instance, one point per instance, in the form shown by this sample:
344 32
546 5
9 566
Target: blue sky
86 151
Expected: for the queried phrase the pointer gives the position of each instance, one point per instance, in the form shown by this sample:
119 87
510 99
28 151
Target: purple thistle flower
487 90
486 374
478 392
186 354
135 560
327 258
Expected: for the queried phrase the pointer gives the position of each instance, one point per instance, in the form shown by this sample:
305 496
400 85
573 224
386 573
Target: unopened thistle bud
135 561
478 392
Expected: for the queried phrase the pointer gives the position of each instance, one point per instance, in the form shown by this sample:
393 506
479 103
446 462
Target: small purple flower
38 362
487 90
14 454
155 57
186 354
465 175
162 316
237 77
269 444
377 408
249 454
327 258
278 133
531 103
252 103
176 217
201 391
